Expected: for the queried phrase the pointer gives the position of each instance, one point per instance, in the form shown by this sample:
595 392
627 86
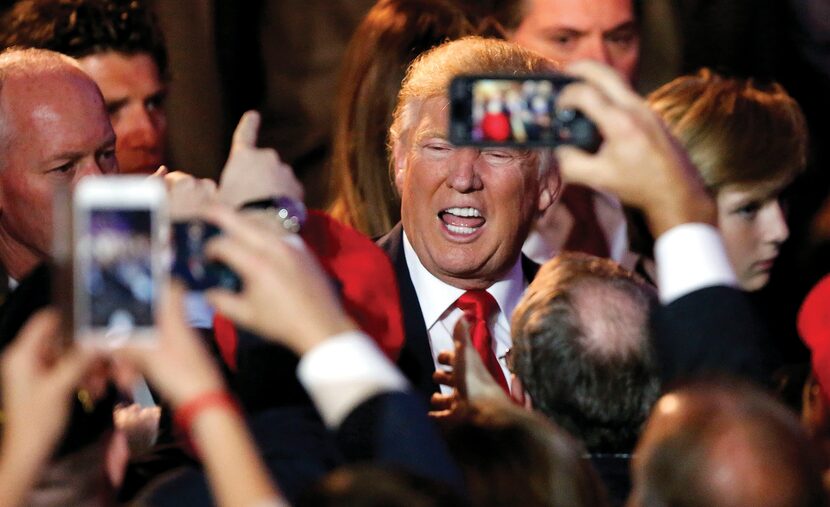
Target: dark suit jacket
415 360
714 330
389 429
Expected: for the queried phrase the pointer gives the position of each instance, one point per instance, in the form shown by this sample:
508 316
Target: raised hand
639 160
253 173
286 296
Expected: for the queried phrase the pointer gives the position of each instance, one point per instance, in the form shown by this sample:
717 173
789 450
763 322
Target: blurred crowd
486 325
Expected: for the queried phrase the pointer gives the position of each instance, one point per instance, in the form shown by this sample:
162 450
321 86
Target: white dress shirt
691 257
437 300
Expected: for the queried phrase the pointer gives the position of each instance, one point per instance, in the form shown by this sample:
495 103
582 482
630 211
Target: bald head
722 443
55 130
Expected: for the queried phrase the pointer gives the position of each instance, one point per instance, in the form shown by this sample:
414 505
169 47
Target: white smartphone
121 242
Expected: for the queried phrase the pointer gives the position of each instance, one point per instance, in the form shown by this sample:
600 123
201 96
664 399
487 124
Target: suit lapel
416 355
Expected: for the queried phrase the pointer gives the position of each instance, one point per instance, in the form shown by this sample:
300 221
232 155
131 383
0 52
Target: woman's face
752 221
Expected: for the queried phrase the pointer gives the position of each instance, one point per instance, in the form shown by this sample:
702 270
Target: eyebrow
420 135
75 155
625 26
115 105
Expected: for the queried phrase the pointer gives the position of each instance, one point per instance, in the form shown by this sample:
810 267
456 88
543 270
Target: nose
594 48
775 226
463 173
137 128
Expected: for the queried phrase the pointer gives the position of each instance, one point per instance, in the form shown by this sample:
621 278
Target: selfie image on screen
513 111
119 276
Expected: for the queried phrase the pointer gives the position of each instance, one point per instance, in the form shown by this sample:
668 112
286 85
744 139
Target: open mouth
464 221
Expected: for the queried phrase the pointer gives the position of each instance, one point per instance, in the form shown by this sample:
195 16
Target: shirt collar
435 296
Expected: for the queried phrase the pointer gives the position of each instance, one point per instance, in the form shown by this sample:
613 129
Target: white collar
435 296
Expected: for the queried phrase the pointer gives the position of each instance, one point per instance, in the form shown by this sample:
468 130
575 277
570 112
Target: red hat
365 278
814 328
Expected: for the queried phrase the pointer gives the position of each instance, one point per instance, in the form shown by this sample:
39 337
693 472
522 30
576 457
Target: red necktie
586 235
479 306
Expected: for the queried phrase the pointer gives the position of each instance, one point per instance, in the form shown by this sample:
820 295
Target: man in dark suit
56 131
465 212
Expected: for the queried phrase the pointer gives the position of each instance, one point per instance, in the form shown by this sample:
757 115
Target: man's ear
399 164
551 188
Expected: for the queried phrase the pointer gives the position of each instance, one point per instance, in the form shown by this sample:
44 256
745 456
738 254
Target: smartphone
190 263
516 111
120 237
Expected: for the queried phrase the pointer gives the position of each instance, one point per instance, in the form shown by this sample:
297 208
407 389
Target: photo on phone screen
118 254
509 111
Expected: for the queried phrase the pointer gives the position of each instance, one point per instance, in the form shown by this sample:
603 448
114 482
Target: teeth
457 229
464 212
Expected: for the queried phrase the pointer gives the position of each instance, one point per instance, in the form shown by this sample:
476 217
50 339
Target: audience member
721 443
392 34
50 141
566 31
465 212
120 45
57 131
375 486
511 456
748 140
814 329
582 351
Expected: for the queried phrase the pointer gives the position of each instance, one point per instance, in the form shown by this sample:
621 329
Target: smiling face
753 226
134 94
56 132
570 30
466 211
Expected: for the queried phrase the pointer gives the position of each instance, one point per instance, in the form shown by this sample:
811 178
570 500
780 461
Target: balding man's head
55 130
581 347
723 443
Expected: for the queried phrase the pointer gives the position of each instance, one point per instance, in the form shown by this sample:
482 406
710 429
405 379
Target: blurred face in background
571 30
134 93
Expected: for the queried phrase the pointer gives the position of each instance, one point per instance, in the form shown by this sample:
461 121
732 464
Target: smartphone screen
515 111
118 255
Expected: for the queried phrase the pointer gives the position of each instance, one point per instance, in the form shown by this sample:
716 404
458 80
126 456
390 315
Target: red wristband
187 412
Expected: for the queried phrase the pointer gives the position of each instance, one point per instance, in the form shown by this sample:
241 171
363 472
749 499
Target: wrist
289 212
315 335
191 410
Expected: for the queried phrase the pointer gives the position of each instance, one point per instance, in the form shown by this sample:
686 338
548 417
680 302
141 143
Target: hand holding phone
516 111
120 249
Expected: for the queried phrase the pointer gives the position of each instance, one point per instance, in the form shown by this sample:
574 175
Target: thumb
247 130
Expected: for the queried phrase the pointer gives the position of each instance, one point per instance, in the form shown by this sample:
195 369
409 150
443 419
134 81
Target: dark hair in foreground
80 28
378 486
512 456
